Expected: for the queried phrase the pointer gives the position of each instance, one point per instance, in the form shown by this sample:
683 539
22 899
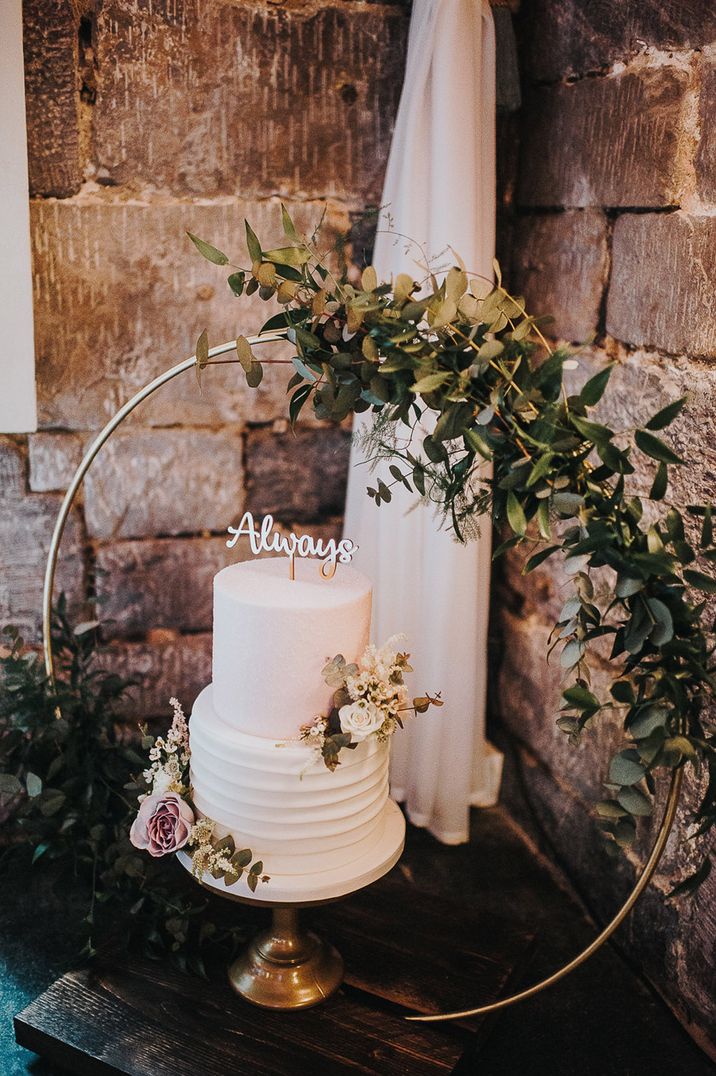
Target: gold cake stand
285 942
287 966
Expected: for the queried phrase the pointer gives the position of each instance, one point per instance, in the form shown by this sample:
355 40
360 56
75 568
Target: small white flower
357 685
360 719
162 781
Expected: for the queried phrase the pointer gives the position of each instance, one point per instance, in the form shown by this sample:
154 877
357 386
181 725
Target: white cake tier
296 815
384 853
272 636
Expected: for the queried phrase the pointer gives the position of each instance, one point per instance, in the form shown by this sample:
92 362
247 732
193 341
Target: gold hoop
65 508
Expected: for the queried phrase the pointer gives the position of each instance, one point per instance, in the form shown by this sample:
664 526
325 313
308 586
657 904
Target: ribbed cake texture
250 772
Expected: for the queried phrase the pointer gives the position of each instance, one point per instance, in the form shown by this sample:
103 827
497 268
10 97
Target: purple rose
163 824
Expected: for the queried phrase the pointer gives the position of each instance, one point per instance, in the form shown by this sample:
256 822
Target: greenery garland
69 788
459 375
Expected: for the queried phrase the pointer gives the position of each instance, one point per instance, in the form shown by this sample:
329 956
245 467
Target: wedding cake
318 831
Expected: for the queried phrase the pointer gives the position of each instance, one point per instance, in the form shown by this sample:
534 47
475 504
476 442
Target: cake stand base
286 967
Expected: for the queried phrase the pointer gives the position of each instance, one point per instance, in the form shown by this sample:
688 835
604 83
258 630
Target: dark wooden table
405 951
488 897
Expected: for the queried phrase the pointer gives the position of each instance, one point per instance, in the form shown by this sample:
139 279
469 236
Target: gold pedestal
286 967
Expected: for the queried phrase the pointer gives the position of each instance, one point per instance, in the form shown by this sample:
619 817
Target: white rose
360 720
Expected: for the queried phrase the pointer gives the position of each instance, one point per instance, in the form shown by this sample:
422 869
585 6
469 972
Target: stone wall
609 223
144 121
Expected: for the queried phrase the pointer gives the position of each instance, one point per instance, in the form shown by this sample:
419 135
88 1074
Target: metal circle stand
101 438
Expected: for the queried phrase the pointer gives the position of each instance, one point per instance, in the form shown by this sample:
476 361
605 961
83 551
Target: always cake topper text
264 539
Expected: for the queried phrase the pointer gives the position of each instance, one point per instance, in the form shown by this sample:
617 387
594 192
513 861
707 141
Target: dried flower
375 688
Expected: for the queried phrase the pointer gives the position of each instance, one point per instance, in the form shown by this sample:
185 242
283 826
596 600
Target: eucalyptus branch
472 367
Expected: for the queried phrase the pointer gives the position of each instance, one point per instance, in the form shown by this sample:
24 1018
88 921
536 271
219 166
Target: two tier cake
319 833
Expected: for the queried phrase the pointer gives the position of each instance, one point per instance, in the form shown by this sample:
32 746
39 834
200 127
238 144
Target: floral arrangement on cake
167 821
369 699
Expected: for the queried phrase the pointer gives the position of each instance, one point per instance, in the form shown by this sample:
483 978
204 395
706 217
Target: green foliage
208 251
471 357
68 795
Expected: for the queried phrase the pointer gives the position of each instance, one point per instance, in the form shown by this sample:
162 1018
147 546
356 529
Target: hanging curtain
440 192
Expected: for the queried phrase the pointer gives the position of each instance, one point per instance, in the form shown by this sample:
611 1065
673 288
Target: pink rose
163 824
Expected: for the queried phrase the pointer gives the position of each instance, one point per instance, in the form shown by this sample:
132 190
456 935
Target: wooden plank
409 944
148 1019
423 954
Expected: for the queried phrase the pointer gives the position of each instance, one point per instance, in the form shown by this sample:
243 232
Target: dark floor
600 1021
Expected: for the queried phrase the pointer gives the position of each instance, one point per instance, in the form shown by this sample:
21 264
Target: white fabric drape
439 191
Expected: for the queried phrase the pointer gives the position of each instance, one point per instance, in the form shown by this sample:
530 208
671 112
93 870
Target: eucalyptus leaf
543 520
208 251
304 371
9 785
252 243
572 654
581 698
622 691
244 353
491 349
628 585
655 447
660 483
289 229
202 351
294 257
430 383
610 809
33 784
297 401
625 832
626 768
635 801
593 389
567 504
538 558
593 431
254 375
663 630
666 415
647 719
515 514
369 279
236 282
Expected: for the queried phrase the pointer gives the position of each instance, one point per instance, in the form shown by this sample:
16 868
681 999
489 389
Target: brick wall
145 120
609 223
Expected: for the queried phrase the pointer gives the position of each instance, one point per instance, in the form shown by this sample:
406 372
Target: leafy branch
466 370
68 795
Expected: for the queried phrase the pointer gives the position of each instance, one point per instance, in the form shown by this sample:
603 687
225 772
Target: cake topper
265 539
